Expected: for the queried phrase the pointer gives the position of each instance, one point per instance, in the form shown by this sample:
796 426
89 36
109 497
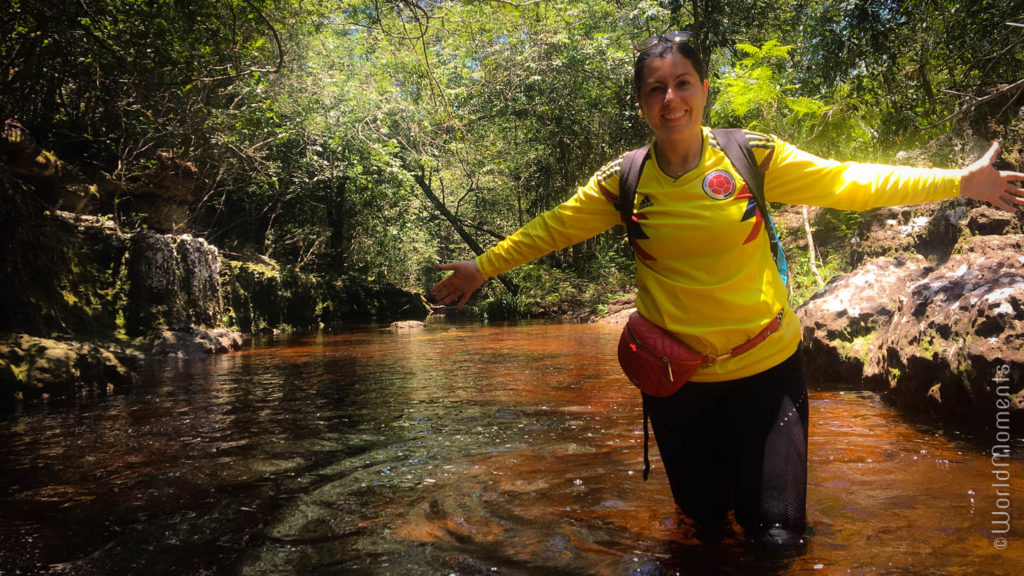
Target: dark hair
660 50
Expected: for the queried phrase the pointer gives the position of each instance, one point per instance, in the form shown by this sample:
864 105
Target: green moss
928 344
20 371
252 295
69 298
859 347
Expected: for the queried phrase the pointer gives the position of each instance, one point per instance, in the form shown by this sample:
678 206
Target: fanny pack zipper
664 359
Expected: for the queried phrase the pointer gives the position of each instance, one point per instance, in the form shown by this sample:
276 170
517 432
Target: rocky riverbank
83 302
940 339
83 323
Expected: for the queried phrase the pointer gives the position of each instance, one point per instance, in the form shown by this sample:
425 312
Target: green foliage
910 62
547 290
367 139
802 281
760 92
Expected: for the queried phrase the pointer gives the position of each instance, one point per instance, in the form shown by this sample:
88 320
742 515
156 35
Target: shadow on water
473 450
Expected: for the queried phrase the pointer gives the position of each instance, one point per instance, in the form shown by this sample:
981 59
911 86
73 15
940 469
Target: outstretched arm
459 285
981 181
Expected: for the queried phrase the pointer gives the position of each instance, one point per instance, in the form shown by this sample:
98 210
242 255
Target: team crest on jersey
719 185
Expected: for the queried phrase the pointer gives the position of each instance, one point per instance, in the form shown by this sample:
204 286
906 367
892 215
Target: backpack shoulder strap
629 177
737 148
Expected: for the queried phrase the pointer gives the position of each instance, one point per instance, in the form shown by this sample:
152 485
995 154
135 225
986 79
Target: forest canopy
373 139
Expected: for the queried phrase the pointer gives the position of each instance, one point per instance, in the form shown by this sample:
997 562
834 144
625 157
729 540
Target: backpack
737 149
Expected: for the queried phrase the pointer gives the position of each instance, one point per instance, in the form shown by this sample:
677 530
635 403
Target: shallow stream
460 449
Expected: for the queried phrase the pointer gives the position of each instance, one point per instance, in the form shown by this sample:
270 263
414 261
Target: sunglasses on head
676 37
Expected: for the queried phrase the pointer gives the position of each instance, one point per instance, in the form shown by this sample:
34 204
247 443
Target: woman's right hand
460 285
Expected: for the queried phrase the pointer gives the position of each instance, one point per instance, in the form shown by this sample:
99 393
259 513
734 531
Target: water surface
455 450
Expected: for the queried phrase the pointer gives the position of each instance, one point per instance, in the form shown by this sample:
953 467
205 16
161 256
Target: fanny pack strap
749 345
647 436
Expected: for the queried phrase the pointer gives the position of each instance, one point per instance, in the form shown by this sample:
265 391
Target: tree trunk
810 248
338 223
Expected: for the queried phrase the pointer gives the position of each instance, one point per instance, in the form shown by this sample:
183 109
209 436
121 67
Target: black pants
740 444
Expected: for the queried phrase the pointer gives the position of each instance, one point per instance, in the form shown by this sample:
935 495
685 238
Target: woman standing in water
735 435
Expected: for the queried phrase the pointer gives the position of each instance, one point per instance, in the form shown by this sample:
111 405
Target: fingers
455 296
445 291
436 288
458 286
442 290
1001 204
447 294
982 181
1012 176
1009 199
447 283
1004 205
1015 199
439 290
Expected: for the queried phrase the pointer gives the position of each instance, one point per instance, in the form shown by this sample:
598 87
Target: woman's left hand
981 181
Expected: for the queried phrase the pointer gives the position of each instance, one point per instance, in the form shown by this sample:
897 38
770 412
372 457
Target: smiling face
672 97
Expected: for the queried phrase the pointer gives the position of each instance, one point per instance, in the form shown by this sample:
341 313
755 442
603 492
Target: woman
734 436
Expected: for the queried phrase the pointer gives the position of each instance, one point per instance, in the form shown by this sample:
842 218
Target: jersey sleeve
587 213
797 177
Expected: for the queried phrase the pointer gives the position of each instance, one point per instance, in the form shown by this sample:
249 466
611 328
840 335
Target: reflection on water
466 450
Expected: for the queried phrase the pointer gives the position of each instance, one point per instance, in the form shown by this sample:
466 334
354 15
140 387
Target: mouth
675 115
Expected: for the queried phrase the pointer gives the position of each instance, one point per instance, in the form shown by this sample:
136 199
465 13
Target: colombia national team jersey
704 268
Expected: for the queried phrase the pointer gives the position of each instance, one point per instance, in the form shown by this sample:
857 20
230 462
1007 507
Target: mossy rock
32 367
252 295
10 383
60 271
301 295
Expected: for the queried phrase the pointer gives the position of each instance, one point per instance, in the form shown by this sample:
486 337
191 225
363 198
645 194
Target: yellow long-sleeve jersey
704 268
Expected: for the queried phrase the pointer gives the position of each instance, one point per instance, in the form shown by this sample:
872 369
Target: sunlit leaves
758 93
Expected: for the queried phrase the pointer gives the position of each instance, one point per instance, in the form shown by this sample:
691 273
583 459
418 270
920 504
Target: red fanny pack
659 364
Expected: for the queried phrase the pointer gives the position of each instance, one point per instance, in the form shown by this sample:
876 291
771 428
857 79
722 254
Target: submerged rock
197 343
406 326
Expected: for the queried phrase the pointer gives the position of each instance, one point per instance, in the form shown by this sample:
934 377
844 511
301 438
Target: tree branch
421 178
810 248
487 231
518 4
1018 85
280 52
